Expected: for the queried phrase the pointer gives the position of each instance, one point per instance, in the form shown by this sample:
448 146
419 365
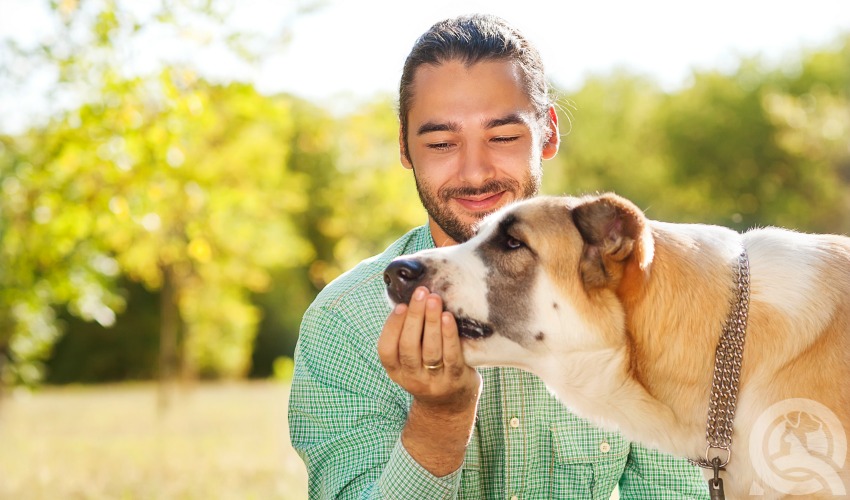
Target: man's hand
420 349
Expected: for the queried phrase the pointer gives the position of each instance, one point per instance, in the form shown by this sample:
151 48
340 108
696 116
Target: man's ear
615 233
402 149
550 147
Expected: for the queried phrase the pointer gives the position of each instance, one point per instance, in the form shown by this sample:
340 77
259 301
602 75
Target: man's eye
505 139
439 145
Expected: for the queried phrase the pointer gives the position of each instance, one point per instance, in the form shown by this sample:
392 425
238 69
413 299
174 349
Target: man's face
475 143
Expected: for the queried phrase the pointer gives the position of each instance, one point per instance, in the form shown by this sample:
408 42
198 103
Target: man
382 403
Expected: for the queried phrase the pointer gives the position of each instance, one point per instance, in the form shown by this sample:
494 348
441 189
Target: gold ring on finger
436 366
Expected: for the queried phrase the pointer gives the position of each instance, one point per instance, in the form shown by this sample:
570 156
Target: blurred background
179 178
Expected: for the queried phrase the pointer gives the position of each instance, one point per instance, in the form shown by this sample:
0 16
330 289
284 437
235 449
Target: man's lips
481 203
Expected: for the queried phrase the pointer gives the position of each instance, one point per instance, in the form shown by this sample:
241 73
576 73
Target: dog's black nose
402 276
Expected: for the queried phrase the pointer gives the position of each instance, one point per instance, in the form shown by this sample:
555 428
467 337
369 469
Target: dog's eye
513 243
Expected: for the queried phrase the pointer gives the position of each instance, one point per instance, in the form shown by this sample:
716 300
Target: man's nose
402 276
476 164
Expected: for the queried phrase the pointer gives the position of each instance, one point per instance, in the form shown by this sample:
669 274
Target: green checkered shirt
346 416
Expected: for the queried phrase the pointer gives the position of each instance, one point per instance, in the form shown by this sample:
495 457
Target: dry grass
217 441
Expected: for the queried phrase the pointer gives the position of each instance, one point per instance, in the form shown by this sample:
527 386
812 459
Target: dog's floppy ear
614 231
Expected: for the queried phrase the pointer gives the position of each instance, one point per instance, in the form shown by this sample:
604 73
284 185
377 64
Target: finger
432 340
410 342
388 341
452 351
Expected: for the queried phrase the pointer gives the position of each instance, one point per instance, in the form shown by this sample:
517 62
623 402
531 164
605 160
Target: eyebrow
510 119
429 127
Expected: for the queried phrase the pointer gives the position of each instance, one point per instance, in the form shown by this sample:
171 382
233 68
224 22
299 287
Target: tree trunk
4 352
169 331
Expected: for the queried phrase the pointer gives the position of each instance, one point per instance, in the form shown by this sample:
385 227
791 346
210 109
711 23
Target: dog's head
540 276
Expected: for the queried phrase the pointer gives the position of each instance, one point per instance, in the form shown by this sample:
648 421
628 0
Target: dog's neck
614 399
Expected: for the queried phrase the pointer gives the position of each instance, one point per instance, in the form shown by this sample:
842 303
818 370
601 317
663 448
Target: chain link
727 371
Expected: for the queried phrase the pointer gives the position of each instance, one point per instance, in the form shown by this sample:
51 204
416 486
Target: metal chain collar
727 370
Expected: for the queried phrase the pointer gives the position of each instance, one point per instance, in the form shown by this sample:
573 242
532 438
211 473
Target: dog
621 317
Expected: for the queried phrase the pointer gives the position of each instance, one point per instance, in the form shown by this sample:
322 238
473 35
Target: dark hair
472 39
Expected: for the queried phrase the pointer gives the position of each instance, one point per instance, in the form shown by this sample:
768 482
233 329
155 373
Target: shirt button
514 424
514 497
604 447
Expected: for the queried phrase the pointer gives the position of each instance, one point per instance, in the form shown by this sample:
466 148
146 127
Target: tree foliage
162 178
757 146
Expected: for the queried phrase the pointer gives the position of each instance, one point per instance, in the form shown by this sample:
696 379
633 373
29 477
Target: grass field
216 441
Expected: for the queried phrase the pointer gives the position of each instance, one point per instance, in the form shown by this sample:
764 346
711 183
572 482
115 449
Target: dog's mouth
471 329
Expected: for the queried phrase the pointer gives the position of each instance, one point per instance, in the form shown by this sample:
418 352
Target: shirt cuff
403 477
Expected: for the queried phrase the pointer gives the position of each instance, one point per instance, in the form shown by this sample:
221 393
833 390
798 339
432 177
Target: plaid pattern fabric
346 416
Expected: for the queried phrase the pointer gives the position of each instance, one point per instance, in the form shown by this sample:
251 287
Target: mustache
490 187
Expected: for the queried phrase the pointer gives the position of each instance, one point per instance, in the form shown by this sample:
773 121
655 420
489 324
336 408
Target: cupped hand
421 351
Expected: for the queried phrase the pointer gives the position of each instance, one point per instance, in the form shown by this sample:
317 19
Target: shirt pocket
470 481
587 462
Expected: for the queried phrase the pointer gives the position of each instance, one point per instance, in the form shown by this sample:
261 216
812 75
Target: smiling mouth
471 329
481 203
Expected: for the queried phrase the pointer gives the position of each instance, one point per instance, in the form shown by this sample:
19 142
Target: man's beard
437 204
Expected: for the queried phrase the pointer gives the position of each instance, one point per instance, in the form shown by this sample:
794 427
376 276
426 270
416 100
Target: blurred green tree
756 146
610 142
46 254
360 200
162 177
182 186
810 111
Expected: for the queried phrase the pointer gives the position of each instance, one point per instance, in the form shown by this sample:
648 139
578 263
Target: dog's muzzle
403 275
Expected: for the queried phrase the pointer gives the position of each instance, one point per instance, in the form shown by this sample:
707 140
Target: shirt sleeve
346 416
653 475
403 477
